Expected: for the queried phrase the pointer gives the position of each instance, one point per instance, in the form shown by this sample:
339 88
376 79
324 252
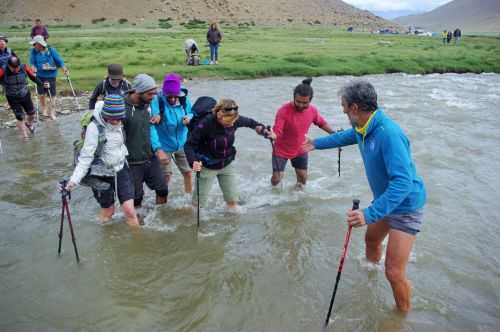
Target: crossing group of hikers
136 132
136 138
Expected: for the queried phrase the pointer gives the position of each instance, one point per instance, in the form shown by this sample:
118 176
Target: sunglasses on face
230 109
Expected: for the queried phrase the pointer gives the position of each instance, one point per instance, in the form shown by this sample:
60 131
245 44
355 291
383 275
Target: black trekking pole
198 199
355 206
338 161
340 151
65 197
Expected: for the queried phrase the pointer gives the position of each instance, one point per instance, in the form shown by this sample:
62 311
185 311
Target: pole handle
355 204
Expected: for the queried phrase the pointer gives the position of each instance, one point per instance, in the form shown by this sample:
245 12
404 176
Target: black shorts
106 198
299 162
20 105
151 173
42 91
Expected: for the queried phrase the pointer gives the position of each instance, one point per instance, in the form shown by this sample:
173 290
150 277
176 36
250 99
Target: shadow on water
272 267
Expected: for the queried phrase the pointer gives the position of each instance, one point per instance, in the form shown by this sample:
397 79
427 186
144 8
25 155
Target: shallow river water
273 267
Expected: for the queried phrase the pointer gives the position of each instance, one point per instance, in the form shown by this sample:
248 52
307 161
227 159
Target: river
273 267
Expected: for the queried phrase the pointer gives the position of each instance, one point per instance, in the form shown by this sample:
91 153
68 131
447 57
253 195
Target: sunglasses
230 109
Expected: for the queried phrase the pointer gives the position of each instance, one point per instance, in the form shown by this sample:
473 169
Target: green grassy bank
252 52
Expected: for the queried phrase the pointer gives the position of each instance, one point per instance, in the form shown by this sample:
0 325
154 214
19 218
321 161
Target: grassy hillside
253 52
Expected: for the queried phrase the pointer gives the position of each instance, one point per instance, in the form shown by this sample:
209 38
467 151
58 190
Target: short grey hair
361 93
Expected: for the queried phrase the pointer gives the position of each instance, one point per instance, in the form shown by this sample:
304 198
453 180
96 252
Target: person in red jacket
292 123
14 77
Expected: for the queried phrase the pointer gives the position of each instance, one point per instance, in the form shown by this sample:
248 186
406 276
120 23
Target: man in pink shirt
292 123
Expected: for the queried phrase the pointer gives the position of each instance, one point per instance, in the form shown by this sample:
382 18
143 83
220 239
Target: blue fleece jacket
391 173
46 62
170 134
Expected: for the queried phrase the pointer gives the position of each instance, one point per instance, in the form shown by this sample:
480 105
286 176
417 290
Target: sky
400 5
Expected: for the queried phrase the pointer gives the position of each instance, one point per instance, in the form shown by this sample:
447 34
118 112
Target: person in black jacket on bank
210 150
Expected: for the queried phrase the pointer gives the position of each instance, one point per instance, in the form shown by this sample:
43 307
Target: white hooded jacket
114 152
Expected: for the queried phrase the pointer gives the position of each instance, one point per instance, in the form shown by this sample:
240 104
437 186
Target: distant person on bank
46 60
398 191
449 36
214 37
13 78
457 34
444 36
113 84
39 30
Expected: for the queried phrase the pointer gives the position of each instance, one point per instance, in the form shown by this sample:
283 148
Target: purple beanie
172 85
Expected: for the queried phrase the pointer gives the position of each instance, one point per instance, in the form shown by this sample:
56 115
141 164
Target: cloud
388 5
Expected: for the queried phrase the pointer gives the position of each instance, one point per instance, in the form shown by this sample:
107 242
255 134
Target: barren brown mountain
468 15
259 12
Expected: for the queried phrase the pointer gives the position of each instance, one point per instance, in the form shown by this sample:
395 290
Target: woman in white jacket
103 156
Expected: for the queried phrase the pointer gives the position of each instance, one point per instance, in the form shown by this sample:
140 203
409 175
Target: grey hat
115 71
143 83
4 38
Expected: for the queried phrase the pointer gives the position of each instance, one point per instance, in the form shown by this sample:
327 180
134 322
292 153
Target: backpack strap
104 91
101 139
183 100
161 107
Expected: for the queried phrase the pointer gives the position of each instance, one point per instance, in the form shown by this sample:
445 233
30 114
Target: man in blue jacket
399 193
171 113
46 60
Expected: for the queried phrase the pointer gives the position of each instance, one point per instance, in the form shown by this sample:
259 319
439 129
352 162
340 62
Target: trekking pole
65 197
340 151
37 105
50 95
198 199
338 161
355 206
73 91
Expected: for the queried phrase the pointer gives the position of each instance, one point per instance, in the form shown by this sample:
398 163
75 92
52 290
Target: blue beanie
113 108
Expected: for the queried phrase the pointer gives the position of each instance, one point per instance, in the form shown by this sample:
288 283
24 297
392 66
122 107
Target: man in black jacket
113 84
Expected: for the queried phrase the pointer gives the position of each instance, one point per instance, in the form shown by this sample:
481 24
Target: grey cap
115 71
4 38
143 83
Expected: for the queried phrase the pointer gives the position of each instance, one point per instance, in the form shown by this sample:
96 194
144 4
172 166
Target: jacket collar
371 124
